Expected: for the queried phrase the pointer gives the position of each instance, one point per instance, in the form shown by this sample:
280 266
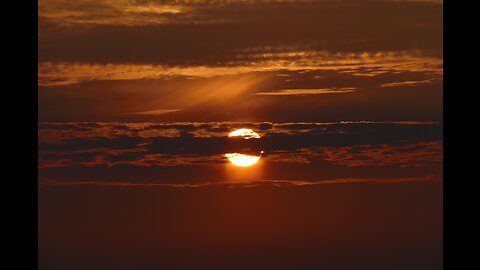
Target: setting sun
239 159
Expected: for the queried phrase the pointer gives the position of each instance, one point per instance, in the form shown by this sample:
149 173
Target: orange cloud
66 73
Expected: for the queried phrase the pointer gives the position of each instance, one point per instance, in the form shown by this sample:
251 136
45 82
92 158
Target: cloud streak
243 184
65 73
289 92
157 112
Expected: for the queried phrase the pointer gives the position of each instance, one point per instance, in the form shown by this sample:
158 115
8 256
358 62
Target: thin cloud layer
245 184
200 34
360 64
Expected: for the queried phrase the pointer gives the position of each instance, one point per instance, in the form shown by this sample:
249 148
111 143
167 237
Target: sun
239 159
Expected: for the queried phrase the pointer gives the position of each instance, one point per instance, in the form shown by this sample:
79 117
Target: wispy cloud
108 12
242 184
156 112
289 92
406 83
66 73
152 12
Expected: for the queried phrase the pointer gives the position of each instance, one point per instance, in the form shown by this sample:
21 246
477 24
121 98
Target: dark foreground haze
345 226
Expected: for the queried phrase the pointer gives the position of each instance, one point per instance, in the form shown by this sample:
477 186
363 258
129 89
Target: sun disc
247 158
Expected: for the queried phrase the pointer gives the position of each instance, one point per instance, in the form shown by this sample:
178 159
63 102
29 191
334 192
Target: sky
136 99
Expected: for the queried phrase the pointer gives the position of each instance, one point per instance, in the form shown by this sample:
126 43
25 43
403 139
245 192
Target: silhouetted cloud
348 144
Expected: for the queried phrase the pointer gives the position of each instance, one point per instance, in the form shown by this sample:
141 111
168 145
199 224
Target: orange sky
136 99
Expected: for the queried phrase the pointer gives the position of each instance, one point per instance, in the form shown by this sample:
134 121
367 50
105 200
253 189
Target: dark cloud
348 144
68 126
71 144
266 27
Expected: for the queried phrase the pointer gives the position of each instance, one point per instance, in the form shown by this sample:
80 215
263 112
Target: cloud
405 83
207 94
408 155
107 12
122 32
242 184
289 92
192 154
67 73
82 143
223 61
405 144
157 112
130 13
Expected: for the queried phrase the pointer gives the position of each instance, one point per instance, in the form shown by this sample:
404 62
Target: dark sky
136 99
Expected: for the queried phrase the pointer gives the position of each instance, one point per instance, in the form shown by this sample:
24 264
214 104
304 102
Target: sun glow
245 133
241 159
